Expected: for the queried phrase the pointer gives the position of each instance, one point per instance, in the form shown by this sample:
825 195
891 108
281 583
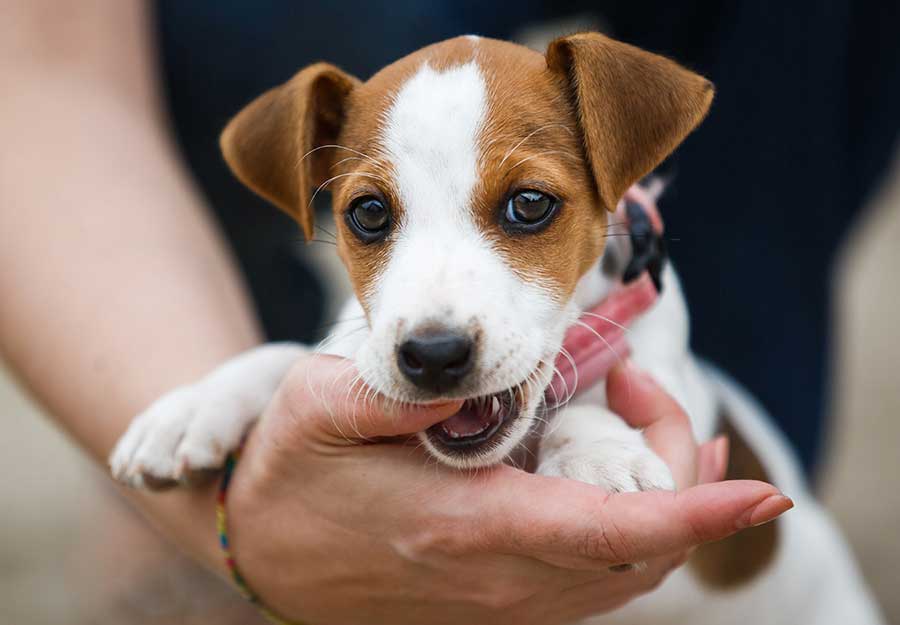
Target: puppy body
471 183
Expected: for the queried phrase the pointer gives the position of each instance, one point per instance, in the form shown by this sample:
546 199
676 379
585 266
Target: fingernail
766 510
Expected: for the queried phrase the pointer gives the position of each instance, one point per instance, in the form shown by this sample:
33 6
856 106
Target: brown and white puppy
471 185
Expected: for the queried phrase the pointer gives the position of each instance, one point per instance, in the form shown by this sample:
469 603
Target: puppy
472 184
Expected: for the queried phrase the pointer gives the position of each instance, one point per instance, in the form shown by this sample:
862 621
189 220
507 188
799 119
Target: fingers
577 525
712 460
637 398
326 394
607 322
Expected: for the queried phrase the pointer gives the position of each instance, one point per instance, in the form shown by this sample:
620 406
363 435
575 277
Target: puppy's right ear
634 107
271 144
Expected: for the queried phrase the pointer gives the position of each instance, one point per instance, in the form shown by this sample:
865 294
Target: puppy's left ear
634 107
271 145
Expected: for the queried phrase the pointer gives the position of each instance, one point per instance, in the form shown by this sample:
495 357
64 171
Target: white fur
592 444
441 268
194 427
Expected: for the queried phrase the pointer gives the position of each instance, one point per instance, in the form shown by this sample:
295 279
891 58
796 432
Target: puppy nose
436 361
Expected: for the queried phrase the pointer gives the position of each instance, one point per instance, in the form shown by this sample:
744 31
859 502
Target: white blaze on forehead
431 138
441 267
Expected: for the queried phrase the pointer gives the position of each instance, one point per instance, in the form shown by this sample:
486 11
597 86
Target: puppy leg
191 429
592 444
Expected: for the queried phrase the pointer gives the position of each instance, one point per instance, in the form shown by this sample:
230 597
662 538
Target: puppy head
471 183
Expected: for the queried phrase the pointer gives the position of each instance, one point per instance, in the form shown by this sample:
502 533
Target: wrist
186 517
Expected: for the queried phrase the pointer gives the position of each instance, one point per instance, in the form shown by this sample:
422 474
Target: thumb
326 395
572 524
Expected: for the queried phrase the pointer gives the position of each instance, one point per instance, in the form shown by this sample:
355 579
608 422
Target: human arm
115 285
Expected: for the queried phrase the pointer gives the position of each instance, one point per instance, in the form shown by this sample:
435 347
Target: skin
410 541
116 287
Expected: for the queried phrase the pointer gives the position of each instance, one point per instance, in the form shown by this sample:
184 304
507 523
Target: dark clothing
803 125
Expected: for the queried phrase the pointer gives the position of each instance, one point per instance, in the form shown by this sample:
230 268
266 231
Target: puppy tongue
473 418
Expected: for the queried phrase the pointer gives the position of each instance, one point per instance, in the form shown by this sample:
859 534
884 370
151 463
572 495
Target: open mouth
478 421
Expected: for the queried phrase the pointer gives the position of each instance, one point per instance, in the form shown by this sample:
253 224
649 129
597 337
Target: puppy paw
185 436
145 457
613 465
182 438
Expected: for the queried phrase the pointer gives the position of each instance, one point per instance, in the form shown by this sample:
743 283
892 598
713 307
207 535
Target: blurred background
784 215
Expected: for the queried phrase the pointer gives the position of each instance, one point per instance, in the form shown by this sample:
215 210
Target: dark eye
369 218
529 209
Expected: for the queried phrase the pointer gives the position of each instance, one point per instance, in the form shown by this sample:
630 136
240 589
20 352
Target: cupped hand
334 519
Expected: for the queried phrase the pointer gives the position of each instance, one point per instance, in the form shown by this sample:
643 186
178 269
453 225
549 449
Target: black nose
435 361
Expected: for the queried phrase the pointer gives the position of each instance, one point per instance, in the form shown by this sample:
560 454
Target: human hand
329 527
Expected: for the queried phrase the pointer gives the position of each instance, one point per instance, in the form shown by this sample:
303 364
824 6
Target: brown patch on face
581 124
740 558
531 141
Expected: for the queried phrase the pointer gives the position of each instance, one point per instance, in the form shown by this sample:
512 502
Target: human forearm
115 286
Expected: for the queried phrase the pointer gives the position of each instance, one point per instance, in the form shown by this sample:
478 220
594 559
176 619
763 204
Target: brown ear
270 144
634 107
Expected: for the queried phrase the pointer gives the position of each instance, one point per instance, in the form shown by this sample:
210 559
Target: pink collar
598 340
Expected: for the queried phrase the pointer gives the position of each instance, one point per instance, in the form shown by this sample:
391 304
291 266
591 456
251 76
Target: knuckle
502 596
595 545
678 416
604 543
446 541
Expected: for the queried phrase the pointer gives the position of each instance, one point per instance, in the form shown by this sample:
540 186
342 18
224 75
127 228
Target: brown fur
605 114
531 140
741 557
634 107
265 144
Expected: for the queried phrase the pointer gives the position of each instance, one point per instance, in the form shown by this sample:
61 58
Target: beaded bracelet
222 529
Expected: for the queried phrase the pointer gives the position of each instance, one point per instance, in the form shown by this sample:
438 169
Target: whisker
331 339
606 319
538 155
354 158
333 178
527 137
339 147
602 338
565 354
326 231
339 321
301 239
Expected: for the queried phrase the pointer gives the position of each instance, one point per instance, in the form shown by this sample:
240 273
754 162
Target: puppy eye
368 218
530 209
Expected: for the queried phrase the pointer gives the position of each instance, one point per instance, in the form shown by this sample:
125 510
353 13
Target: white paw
190 430
186 431
614 465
